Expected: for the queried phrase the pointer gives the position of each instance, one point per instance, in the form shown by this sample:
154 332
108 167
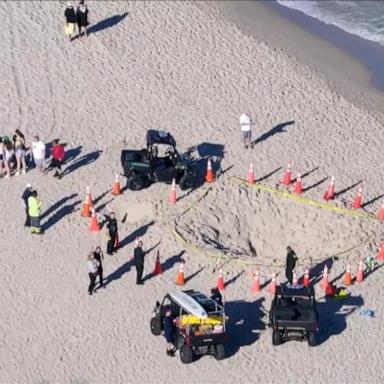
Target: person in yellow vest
34 205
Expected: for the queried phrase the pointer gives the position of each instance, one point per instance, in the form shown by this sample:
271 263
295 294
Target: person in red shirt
58 155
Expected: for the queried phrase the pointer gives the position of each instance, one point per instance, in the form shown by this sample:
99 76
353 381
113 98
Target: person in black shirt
25 196
70 20
112 233
169 333
216 296
99 256
138 255
290 264
82 18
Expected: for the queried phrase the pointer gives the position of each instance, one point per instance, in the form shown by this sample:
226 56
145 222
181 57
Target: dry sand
181 68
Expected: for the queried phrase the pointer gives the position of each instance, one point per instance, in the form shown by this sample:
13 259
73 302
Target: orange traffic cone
157 270
380 255
251 174
94 227
330 192
358 199
116 190
220 281
360 272
381 213
272 285
86 210
325 281
180 276
210 176
299 185
295 280
287 180
306 279
256 282
172 195
90 200
348 276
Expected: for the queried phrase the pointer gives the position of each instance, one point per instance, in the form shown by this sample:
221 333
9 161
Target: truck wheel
186 354
156 326
186 182
312 339
276 337
219 352
135 183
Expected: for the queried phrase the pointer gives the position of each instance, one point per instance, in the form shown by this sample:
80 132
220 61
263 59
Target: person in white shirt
93 271
38 153
245 124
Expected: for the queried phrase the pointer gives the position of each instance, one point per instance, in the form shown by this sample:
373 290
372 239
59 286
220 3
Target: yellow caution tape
314 203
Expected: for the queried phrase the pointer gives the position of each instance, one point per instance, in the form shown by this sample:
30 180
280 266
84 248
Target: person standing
19 147
1 156
245 124
8 155
290 264
34 206
138 255
99 256
38 153
58 154
92 266
82 18
70 20
112 233
169 333
24 198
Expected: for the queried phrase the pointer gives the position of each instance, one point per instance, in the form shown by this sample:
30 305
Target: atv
199 324
293 315
158 162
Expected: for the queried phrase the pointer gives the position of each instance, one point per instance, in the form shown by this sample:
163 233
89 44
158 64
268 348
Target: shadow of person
317 271
119 272
56 205
60 214
244 324
333 314
279 128
140 232
81 161
107 23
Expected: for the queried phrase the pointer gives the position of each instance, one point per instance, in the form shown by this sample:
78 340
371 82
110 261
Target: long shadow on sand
107 23
244 324
82 161
140 232
279 128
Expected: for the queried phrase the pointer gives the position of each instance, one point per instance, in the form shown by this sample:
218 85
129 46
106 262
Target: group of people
14 153
73 18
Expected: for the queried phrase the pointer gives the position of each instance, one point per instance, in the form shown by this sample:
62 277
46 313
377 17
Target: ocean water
364 18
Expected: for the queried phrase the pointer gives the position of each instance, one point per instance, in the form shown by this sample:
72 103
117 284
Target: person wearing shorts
38 153
58 154
19 147
245 124
70 20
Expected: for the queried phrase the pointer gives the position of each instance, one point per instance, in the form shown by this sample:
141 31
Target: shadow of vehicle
244 324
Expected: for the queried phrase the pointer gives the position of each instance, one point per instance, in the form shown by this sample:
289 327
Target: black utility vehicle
199 324
159 162
293 315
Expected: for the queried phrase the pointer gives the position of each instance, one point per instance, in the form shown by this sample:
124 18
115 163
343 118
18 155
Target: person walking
138 255
290 264
82 18
38 153
24 198
8 155
112 234
245 124
92 266
19 148
70 20
58 155
99 256
34 206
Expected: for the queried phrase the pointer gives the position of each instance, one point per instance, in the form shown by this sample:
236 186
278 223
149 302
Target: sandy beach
184 68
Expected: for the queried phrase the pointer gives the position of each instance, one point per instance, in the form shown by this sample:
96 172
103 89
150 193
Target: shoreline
338 57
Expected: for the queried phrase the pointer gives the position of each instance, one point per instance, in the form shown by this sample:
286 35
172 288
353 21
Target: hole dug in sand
244 222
